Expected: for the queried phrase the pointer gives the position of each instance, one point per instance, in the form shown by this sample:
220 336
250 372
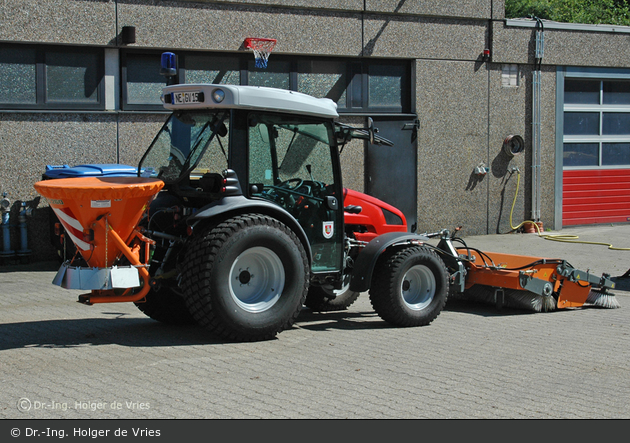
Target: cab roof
210 96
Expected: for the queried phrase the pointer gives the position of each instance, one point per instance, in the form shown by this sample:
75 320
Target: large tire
409 287
327 299
246 279
166 306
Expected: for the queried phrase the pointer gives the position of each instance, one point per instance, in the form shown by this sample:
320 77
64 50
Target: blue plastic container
95 170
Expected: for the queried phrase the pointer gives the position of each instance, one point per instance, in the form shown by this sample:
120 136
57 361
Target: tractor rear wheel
327 299
246 278
409 287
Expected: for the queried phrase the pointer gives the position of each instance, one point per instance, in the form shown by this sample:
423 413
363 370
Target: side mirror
332 203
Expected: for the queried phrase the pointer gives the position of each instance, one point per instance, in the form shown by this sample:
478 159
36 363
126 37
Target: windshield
181 144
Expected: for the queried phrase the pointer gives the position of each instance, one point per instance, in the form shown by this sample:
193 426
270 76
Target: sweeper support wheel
327 299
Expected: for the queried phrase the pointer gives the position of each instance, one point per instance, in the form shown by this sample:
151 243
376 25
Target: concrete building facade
448 81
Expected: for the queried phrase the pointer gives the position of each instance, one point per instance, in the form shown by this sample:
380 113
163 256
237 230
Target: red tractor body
375 217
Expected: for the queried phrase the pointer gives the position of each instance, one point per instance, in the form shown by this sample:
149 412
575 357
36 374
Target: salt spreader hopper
100 215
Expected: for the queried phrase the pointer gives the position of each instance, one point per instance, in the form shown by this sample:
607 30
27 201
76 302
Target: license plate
184 98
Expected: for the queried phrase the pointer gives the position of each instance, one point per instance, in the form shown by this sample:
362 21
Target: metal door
391 172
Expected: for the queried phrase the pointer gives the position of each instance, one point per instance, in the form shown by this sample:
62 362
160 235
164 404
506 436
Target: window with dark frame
52 77
49 77
357 86
142 82
596 131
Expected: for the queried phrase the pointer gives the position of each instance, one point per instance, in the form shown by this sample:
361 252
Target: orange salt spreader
100 215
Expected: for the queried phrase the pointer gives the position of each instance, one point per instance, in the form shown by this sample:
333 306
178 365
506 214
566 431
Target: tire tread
203 254
384 295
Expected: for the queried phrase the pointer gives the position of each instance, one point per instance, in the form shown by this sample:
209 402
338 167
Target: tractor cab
277 146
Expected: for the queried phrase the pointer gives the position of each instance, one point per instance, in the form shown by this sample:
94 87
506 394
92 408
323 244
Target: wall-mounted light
128 35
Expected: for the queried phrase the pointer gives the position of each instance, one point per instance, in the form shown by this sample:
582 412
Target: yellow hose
518 181
554 237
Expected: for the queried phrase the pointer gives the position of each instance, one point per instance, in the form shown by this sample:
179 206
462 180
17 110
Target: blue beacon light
168 65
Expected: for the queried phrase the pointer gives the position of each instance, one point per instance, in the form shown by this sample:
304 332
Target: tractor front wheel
409 287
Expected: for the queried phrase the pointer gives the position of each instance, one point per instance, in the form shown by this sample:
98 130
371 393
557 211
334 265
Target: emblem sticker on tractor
329 229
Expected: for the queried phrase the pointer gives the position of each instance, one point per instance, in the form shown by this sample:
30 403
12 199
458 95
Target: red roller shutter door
595 196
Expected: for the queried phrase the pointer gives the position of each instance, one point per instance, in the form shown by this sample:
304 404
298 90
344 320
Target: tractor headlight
218 95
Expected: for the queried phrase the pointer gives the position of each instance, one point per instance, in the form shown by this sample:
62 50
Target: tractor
238 218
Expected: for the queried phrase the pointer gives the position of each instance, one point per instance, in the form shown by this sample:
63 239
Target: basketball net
262 47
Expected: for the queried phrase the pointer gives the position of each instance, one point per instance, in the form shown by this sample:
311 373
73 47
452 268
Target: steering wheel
285 184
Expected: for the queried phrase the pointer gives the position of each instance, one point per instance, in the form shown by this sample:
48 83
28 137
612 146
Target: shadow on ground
125 330
119 329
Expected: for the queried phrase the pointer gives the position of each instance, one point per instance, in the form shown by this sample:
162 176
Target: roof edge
584 27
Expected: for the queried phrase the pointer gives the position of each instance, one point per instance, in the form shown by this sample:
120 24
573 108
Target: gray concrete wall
510 114
452 140
563 47
422 37
84 22
136 132
402 33
223 27
440 8
29 142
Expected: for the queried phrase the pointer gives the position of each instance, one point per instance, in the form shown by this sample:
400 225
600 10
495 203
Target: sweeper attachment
519 281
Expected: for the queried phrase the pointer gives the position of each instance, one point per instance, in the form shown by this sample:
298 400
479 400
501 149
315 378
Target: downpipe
5 208
536 120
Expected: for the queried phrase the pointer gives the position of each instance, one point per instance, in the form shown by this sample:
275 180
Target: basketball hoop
262 47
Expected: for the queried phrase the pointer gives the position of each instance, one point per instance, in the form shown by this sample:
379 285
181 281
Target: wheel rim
256 279
418 287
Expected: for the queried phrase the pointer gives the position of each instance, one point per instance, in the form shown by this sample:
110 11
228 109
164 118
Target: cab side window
290 164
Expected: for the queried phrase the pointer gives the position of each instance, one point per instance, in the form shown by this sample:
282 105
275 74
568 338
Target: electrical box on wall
509 76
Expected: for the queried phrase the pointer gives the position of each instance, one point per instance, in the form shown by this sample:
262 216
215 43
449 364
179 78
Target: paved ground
61 359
